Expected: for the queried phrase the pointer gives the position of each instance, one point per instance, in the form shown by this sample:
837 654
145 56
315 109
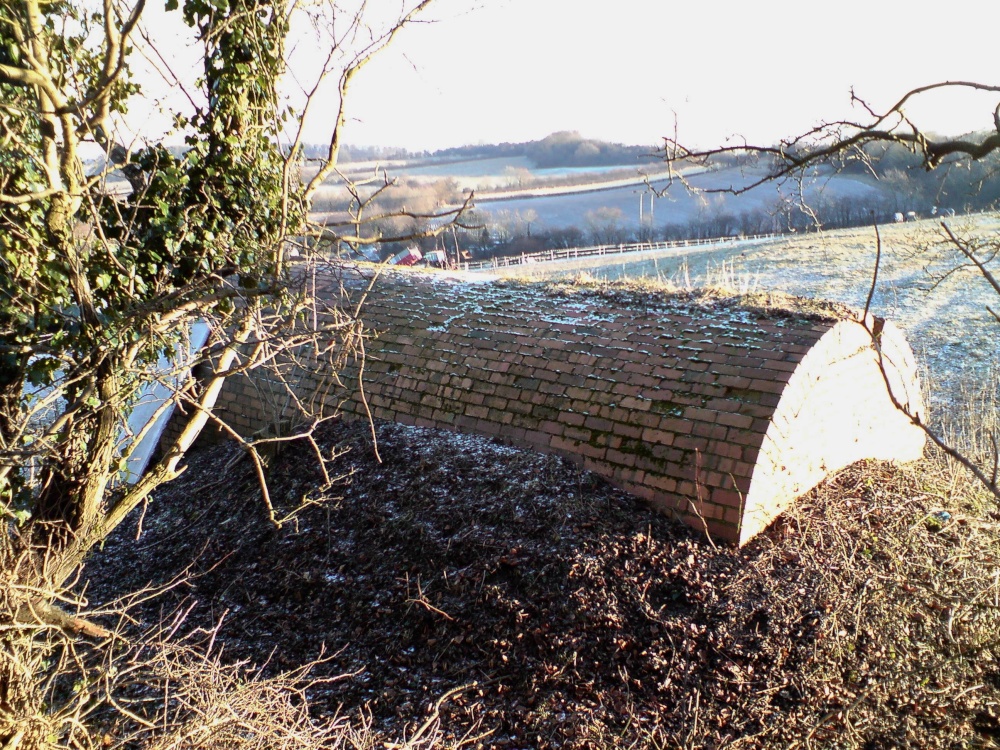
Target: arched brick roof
717 412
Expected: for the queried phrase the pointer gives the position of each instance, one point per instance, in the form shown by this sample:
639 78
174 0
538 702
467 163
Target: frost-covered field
676 206
944 314
581 191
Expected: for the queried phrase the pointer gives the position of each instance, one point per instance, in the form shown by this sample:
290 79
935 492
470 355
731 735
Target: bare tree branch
346 79
835 138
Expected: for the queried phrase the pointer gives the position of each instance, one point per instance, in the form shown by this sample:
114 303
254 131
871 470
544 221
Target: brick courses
718 414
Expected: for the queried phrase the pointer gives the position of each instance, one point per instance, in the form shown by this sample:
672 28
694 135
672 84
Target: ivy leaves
198 223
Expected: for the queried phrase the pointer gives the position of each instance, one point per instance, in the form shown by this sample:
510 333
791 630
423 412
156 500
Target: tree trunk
73 487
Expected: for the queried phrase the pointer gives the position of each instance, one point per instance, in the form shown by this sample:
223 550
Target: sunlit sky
517 70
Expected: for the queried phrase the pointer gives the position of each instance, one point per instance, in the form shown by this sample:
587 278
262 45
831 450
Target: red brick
552 428
618 458
728 498
537 439
666 484
627 430
687 442
735 420
703 415
767 386
597 424
674 425
660 437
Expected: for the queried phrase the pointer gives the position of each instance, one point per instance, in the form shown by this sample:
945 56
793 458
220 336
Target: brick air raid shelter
720 414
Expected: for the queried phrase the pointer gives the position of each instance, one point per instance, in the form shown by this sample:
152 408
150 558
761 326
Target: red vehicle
406 258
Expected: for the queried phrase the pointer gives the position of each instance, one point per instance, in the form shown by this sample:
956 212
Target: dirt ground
514 601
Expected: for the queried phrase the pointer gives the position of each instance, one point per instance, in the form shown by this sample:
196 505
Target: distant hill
565 149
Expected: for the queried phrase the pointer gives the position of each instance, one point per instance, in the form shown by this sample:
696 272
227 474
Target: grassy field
677 206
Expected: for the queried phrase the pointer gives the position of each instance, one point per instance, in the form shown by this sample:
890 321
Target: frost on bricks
719 414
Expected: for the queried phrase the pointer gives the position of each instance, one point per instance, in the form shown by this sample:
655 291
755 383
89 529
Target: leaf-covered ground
518 602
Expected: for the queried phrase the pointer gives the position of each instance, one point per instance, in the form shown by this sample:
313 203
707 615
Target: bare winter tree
604 225
841 142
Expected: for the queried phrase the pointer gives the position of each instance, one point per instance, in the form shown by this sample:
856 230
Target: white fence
571 253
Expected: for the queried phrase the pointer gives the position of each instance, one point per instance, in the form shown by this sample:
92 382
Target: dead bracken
765 303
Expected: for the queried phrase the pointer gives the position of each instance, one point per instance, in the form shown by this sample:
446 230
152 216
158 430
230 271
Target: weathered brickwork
718 414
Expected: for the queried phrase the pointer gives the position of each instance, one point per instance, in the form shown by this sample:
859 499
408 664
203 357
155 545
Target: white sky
517 70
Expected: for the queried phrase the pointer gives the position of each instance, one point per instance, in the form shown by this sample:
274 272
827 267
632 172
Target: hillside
679 206
566 149
510 597
461 593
